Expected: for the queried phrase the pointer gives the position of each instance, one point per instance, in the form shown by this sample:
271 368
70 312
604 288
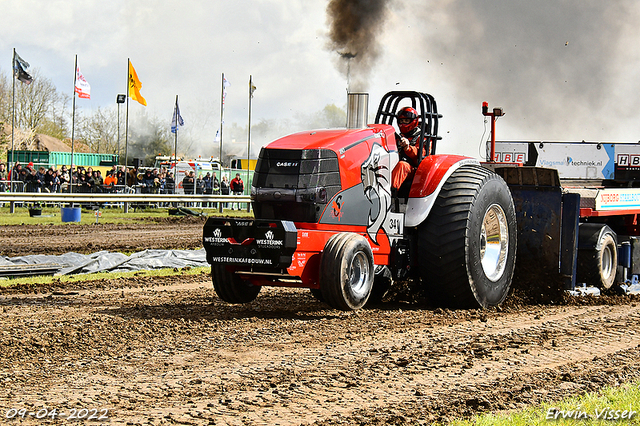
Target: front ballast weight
253 243
252 246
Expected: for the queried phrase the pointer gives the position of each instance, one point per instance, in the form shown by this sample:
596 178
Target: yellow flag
135 86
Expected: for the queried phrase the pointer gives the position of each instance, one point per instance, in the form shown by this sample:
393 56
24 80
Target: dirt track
170 352
171 233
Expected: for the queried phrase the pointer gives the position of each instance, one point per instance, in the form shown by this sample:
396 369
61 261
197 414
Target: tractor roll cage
426 106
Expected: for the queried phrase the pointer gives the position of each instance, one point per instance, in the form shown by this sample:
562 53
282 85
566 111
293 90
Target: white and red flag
83 89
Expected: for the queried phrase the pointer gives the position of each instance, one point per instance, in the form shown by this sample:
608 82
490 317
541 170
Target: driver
408 145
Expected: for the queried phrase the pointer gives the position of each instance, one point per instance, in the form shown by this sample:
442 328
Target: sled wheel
346 271
231 288
597 255
467 244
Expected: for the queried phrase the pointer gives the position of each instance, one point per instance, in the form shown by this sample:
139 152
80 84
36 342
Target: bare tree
5 99
5 114
56 123
38 102
99 130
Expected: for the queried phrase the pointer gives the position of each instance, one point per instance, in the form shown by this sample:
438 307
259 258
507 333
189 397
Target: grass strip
611 405
52 215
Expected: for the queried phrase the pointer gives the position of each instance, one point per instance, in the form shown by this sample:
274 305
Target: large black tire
231 288
597 255
346 271
467 244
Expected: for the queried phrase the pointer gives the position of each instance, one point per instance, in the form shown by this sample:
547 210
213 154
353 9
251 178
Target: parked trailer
58 159
327 219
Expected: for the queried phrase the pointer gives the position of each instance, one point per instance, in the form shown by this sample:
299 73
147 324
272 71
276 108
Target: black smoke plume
558 68
353 28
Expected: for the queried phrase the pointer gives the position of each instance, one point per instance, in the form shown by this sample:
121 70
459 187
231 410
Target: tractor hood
337 140
297 175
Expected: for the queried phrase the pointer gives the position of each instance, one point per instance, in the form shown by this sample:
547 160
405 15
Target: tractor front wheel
346 271
231 288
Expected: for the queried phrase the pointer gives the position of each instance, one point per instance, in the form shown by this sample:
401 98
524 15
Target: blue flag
177 119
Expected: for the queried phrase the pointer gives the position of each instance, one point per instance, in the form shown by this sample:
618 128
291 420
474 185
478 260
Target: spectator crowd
149 181
41 179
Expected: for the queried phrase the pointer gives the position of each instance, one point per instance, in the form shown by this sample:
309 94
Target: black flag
20 69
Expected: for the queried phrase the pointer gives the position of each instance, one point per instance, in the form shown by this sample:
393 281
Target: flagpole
13 124
249 131
221 116
118 146
249 134
73 124
126 125
175 150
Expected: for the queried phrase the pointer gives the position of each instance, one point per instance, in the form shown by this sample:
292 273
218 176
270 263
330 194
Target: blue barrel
624 254
71 214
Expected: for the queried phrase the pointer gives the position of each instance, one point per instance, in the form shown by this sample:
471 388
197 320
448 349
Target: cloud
178 47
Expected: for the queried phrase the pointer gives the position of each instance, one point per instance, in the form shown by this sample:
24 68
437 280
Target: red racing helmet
407 119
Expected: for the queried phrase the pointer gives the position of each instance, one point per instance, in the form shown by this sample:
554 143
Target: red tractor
326 218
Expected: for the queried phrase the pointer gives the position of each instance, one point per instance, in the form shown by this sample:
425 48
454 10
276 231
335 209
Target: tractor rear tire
467 244
597 255
231 288
346 271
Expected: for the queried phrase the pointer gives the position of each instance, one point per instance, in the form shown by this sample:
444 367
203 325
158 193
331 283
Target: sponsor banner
511 157
618 199
573 160
510 152
577 160
628 162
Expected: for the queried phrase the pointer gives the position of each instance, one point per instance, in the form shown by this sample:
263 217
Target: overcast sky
562 70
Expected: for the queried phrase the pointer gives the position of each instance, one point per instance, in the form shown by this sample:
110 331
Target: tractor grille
294 184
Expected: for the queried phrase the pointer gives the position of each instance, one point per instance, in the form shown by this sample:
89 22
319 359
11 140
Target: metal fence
15 186
126 199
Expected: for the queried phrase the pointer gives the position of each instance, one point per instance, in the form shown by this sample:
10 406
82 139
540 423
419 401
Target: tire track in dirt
176 354
428 378
172 233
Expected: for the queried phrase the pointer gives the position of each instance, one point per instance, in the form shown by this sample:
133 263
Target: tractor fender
432 173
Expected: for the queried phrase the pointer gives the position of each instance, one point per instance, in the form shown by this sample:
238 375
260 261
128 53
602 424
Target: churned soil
168 351
166 233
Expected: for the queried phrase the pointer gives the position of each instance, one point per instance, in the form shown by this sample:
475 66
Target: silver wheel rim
494 242
607 262
359 275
